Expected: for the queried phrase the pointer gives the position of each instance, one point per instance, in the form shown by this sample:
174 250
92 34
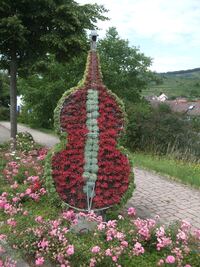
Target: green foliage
124 68
62 32
2 161
42 90
53 196
4 113
176 84
125 73
20 176
158 130
25 141
31 30
184 171
4 97
26 236
195 123
138 113
4 90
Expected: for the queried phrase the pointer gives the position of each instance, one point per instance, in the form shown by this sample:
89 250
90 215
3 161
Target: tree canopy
125 69
4 90
43 88
31 29
125 72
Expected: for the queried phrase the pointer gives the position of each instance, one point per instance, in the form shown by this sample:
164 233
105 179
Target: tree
4 96
45 86
4 93
30 29
125 69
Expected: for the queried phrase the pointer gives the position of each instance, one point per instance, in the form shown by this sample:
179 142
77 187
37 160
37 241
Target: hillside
184 83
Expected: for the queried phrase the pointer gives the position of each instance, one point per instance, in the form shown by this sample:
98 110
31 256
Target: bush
4 113
159 130
25 141
36 119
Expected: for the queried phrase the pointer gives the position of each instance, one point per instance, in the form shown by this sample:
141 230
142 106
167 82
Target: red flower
68 165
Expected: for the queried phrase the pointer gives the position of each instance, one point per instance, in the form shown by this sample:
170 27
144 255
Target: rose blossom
124 243
70 250
39 219
138 249
95 249
92 262
43 244
15 185
170 259
39 261
197 233
108 252
131 211
114 258
11 222
160 262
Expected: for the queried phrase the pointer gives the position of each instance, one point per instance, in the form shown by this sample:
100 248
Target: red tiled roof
181 106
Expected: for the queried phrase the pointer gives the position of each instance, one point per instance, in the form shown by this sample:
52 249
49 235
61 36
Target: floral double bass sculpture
91 172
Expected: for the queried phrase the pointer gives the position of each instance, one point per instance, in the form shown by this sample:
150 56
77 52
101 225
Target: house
19 103
180 105
181 99
189 108
162 97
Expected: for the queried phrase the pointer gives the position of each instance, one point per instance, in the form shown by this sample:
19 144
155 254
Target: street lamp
93 39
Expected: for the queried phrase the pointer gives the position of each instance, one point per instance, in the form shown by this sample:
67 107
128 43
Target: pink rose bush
48 235
109 243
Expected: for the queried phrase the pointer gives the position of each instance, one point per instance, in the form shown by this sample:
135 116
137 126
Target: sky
168 31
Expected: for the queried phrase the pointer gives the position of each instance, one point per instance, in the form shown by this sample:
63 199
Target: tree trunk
13 98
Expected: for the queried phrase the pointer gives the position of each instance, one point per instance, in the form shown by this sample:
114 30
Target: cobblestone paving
156 195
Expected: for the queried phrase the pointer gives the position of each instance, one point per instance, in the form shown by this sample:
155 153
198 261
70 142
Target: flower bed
91 172
42 232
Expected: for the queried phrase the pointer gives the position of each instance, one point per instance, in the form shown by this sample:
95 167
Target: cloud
168 25
165 21
162 63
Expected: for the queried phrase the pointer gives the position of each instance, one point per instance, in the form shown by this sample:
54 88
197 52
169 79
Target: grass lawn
188 173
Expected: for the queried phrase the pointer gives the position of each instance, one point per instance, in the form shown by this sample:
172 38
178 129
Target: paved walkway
154 194
158 195
4 134
48 140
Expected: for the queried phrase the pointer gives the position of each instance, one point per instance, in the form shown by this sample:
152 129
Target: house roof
190 107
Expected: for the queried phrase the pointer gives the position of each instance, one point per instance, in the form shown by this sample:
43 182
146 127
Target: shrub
4 113
41 231
161 131
25 141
